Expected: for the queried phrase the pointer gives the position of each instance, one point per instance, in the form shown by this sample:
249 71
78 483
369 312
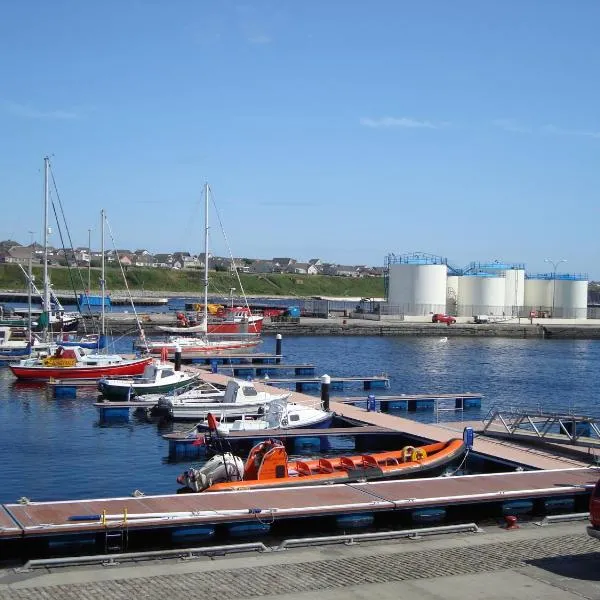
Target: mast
29 332
206 257
46 298
102 282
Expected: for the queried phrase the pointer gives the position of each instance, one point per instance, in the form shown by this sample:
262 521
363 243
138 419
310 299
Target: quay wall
125 323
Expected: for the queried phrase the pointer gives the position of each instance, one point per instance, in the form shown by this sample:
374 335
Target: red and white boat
73 363
195 347
230 319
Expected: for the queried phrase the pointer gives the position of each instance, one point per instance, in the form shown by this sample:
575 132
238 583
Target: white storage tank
570 297
481 294
514 292
538 293
417 284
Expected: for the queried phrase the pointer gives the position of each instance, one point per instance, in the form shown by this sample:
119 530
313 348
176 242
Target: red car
594 529
441 318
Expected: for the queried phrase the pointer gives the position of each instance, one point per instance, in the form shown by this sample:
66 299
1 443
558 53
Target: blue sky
343 129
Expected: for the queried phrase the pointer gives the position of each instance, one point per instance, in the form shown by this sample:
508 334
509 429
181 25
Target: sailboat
74 363
203 343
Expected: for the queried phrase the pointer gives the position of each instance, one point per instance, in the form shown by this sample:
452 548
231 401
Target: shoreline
344 326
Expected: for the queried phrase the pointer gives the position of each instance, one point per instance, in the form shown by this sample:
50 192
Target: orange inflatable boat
268 466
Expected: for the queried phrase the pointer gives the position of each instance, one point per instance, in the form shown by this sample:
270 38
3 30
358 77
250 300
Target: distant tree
220 268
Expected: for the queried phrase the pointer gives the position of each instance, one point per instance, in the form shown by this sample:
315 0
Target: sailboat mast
46 306
206 255
102 282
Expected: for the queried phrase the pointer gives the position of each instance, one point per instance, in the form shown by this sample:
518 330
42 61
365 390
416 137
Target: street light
554 264
231 290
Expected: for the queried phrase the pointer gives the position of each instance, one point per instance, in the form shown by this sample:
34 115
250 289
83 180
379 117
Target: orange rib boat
268 466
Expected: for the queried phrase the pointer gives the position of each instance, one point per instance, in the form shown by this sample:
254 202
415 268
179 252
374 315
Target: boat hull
196 350
322 471
113 391
41 373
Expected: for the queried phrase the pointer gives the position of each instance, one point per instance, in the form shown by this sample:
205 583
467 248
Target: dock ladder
116 535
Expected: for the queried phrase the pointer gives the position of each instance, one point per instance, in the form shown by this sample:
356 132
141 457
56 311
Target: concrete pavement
553 562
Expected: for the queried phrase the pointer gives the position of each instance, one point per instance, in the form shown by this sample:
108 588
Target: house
144 259
302 269
262 266
347 271
164 261
19 255
281 264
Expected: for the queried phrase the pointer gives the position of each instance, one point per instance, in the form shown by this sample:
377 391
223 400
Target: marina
496 478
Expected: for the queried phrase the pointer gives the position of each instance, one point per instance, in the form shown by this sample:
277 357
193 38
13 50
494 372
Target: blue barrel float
517 507
71 543
192 535
242 530
559 505
307 445
428 516
355 521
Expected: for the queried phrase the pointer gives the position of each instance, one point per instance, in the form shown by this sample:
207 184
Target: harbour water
56 448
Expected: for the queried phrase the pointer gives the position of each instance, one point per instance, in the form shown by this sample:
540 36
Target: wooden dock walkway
500 449
37 519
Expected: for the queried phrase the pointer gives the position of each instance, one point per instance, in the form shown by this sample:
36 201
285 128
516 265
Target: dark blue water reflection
56 449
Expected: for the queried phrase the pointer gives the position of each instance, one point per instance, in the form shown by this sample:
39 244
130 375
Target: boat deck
51 518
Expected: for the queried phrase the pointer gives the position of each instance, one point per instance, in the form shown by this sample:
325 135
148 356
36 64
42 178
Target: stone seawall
123 323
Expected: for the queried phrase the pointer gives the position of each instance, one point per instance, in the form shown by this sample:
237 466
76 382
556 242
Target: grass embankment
142 280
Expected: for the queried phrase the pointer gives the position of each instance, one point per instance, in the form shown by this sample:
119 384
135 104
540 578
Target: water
56 448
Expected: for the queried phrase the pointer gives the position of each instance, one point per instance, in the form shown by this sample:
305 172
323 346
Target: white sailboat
202 344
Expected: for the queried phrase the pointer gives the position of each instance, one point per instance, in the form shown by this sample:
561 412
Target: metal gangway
527 423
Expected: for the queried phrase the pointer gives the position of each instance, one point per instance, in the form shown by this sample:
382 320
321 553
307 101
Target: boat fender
418 454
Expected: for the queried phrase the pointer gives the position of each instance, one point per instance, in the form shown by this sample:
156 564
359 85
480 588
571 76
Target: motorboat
268 466
279 414
240 398
157 378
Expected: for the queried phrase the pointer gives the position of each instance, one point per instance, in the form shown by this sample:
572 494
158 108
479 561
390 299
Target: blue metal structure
558 276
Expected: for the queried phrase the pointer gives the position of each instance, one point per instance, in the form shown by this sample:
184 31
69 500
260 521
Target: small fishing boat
240 398
279 414
72 363
268 466
157 378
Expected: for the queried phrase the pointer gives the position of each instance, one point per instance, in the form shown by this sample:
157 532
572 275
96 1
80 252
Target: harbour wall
125 323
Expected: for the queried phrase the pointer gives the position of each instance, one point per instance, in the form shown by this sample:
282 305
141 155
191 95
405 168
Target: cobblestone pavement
375 565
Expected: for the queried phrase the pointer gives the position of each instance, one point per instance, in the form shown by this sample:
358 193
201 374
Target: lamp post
554 264
231 290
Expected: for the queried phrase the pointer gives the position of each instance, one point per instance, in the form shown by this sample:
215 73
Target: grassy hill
142 280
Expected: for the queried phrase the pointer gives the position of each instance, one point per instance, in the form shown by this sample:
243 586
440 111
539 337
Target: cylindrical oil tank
514 292
538 294
481 294
570 298
452 287
418 289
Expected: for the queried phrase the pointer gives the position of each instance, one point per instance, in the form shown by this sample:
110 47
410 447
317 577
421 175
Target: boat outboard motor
220 468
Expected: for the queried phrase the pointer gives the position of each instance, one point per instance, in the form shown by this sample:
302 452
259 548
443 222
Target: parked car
594 529
442 318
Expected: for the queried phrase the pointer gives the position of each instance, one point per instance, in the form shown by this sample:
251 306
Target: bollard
278 348
511 522
214 365
178 358
371 403
325 382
